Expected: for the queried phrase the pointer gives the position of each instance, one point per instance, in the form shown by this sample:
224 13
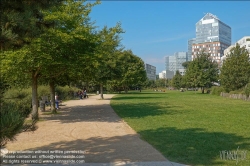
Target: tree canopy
201 72
235 71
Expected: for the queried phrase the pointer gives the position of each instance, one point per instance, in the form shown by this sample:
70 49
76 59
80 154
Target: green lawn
188 127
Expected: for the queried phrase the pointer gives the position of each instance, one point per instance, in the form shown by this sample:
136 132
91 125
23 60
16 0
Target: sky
155 29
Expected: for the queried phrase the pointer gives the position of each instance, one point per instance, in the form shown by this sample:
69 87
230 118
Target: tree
177 80
130 71
201 72
70 43
106 54
235 71
53 52
22 21
185 64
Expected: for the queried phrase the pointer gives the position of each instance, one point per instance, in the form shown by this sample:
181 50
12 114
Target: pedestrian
57 101
85 94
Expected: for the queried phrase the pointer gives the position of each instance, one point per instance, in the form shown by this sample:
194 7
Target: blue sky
155 29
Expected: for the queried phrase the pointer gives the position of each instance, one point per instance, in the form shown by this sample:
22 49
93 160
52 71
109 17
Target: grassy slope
186 127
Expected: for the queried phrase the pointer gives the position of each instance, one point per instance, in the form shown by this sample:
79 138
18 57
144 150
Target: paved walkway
92 126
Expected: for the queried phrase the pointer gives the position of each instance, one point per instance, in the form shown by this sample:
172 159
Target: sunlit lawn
188 127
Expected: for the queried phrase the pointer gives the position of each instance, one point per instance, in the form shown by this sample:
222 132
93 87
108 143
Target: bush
11 122
66 92
239 91
43 91
216 90
21 99
247 90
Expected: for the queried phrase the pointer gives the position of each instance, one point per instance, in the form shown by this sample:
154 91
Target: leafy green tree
235 71
201 72
54 52
22 20
177 80
106 55
162 82
131 69
70 43
185 64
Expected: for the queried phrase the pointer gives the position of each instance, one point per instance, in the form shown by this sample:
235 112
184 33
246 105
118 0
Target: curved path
92 126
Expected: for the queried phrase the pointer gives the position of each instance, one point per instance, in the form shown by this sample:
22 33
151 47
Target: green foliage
43 91
130 71
177 80
66 92
216 90
239 91
247 90
185 64
235 71
11 120
201 72
21 99
162 83
22 20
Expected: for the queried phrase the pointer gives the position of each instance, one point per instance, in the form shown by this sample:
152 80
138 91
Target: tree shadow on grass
105 113
146 109
195 146
132 97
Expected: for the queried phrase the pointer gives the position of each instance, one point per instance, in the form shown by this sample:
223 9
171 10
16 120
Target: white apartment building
243 42
162 75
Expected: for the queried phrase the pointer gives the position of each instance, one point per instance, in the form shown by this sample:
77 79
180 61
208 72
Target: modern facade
190 43
243 42
212 36
150 71
174 63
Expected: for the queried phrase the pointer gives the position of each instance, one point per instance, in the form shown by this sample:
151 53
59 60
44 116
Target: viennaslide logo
236 155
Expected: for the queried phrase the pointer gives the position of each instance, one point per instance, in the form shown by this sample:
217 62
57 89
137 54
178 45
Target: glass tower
211 29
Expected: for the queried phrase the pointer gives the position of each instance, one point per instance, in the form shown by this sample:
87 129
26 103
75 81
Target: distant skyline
155 29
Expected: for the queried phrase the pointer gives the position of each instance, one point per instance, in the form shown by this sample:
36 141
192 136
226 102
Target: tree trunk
202 89
34 113
52 96
101 90
126 89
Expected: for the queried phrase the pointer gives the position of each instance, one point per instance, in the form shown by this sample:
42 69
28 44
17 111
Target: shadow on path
110 149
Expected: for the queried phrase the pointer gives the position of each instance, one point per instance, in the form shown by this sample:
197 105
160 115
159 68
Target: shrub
21 99
66 92
216 90
247 90
43 91
239 91
11 120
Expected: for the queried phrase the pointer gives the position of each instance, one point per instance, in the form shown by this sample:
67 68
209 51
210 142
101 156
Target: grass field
188 127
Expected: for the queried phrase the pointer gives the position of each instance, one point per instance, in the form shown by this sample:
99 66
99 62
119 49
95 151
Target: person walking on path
57 101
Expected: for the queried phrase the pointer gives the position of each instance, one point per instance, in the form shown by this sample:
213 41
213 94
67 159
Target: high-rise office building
212 36
150 71
190 43
174 63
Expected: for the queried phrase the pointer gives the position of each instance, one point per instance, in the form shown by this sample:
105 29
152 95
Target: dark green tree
235 71
177 80
106 55
201 72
